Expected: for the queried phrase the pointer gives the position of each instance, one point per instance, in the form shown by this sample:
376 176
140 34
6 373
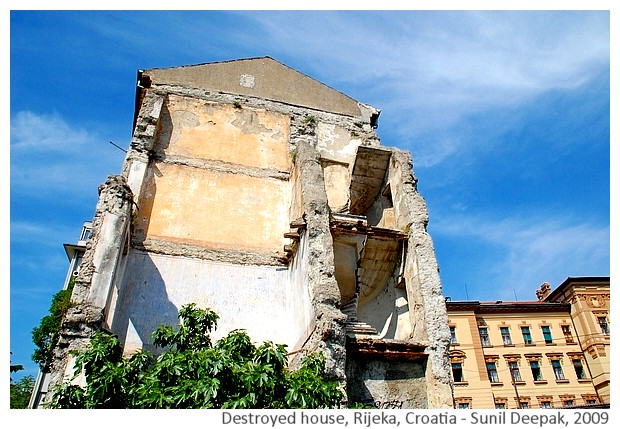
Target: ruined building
265 195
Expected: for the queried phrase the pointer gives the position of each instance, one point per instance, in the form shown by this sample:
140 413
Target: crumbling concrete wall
387 384
94 286
214 204
235 194
427 308
328 335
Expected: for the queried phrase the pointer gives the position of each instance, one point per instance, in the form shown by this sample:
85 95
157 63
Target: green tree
20 390
194 373
45 336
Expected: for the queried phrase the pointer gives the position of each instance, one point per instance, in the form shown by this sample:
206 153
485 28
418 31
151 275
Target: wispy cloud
47 153
516 53
530 250
46 133
429 70
44 234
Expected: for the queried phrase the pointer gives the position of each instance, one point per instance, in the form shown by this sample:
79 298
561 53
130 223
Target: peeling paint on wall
270 199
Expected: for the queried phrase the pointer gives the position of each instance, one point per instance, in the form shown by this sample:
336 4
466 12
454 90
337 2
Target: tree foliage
194 373
20 390
45 336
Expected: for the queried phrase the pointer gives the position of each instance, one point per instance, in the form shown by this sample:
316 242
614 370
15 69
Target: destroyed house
265 195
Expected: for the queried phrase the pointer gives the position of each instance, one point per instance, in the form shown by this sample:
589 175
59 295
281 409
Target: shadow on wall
143 304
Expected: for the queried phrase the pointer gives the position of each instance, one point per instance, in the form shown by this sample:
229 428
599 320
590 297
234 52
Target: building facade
590 304
531 354
265 195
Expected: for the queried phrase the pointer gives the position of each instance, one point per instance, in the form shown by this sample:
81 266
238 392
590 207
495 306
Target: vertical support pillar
427 307
94 283
329 333
143 141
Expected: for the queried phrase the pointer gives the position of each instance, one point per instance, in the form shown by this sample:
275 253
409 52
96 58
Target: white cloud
530 251
429 70
45 133
509 52
46 234
50 155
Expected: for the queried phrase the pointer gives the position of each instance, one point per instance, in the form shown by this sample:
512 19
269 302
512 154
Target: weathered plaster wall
387 384
388 313
427 308
337 179
259 299
222 178
262 78
298 301
246 136
337 145
214 209
346 254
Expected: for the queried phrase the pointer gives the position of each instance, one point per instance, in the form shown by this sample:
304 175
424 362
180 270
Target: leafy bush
45 336
194 373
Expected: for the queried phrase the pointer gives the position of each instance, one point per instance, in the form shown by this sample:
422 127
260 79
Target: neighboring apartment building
532 354
590 304
259 192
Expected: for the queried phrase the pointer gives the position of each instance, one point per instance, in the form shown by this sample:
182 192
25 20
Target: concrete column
143 141
112 220
95 281
427 306
329 333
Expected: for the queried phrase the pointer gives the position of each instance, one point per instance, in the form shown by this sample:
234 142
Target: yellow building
589 299
533 354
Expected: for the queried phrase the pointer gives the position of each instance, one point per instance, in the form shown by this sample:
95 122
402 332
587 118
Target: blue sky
506 114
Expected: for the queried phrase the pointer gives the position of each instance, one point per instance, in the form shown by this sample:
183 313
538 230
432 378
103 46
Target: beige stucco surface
250 137
259 77
214 209
214 186
476 385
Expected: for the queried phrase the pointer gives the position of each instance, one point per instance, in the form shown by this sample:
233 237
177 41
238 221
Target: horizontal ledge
374 348
353 227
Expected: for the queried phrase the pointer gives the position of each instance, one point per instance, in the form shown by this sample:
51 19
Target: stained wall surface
387 384
214 183
235 177
259 299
